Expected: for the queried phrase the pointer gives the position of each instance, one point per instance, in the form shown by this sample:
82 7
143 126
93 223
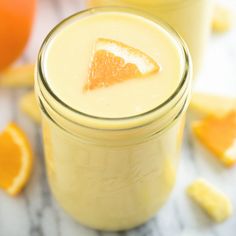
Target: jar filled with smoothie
190 18
113 86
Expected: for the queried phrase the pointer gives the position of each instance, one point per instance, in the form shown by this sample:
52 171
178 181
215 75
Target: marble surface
35 213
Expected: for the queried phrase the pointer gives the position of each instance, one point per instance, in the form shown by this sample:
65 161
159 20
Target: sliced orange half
15 159
114 62
218 134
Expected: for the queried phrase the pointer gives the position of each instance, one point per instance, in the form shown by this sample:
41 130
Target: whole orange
16 17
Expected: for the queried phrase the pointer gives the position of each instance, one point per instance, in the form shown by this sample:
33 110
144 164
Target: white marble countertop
34 212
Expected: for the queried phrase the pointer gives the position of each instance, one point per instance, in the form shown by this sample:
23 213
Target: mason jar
112 173
190 18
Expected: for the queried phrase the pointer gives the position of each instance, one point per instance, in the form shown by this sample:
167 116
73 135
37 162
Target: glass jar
190 18
112 173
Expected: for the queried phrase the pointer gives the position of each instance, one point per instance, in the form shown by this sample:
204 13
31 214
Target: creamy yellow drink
112 141
190 18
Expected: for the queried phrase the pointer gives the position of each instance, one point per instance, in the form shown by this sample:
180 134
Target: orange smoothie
113 86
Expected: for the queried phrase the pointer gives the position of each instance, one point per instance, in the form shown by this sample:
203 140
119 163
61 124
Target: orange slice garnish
218 134
15 159
114 62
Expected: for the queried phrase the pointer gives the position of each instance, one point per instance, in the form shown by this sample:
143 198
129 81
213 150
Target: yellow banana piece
213 202
28 105
20 76
222 19
209 104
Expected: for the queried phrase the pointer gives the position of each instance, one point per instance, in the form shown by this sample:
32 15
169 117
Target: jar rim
185 78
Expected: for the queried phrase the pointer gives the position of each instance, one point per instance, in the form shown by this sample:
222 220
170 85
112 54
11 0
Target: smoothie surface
69 55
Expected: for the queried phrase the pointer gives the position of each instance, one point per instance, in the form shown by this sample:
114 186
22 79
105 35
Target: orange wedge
15 159
114 62
218 134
